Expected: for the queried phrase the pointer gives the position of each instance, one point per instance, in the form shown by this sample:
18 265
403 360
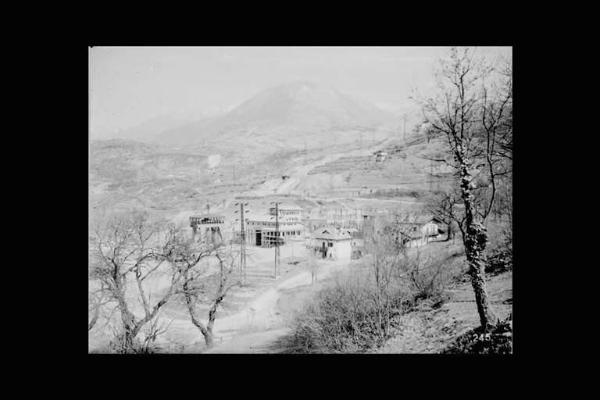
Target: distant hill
272 134
288 116
129 173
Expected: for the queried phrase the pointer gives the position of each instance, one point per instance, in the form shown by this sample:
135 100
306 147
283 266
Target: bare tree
128 249
448 208
473 114
97 299
199 285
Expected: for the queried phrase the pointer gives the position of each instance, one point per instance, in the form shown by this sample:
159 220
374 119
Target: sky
131 85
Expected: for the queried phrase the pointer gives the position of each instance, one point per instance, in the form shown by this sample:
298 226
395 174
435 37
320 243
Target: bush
118 346
498 262
431 276
500 249
144 343
477 341
350 317
360 312
500 258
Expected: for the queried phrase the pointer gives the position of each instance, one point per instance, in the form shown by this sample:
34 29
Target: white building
421 231
332 243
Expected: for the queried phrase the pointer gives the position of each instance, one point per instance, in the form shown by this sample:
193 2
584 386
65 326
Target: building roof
412 235
331 233
419 234
336 237
206 216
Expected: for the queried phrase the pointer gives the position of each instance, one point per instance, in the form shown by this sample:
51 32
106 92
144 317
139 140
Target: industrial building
265 230
207 227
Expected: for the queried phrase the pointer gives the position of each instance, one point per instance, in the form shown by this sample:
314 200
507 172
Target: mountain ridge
281 113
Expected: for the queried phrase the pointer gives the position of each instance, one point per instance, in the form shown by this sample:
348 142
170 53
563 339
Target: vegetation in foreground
498 340
361 311
367 307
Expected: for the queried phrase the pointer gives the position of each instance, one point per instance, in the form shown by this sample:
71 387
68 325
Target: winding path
259 324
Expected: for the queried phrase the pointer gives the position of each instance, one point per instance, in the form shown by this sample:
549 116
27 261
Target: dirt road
262 322
297 174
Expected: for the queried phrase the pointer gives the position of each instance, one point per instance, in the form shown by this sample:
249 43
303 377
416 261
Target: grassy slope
430 331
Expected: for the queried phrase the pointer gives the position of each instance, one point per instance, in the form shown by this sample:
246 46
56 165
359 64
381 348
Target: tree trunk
128 340
477 238
128 320
475 241
209 339
206 333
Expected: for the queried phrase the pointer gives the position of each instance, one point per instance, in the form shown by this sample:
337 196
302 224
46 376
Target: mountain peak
305 102
287 110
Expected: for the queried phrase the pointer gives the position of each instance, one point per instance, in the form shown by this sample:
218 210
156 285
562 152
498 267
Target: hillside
429 330
129 174
322 141
292 116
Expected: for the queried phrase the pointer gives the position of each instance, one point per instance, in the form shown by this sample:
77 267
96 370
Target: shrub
500 258
477 341
429 278
350 317
360 311
500 249
498 262
118 346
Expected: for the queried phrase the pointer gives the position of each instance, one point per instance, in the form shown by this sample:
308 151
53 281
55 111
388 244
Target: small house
332 243
421 231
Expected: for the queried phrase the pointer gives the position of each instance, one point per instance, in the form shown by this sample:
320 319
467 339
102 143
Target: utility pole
242 245
277 254
242 242
404 131
277 233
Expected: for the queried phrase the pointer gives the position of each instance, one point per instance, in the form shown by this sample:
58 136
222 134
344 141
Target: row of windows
270 223
291 233
206 221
